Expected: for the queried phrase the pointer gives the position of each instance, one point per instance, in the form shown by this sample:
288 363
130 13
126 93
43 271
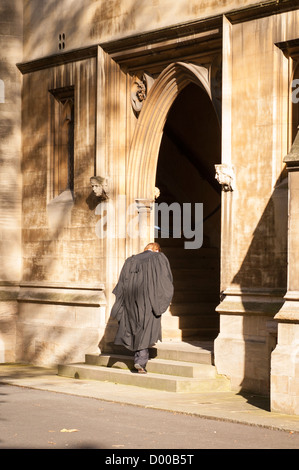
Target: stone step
190 334
189 326
173 332
199 321
193 334
206 260
193 308
149 380
193 296
180 242
199 273
156 366
196 291
201 253
189 321
193 263
200 352
199 285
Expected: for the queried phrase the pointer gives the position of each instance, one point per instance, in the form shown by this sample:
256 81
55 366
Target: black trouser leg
141 357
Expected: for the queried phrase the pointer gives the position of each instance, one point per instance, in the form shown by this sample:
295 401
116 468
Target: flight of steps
183 362
196 291
173 367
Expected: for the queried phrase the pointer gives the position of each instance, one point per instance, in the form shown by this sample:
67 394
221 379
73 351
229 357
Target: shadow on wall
10 191
265 263
263 281
45 253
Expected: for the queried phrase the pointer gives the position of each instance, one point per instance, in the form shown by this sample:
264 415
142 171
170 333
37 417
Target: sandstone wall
10 157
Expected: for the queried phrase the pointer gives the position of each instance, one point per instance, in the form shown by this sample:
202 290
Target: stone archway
143 158
142 172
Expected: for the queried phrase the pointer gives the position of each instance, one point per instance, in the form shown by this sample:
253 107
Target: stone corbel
225 175
99 186
139 91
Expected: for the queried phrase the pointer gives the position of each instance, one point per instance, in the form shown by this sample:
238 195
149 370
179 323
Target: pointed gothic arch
149 129
143 157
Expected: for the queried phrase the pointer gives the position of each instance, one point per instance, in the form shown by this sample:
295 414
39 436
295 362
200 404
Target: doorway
190 148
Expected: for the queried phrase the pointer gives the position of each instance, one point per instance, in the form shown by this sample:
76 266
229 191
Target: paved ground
224 406
38 419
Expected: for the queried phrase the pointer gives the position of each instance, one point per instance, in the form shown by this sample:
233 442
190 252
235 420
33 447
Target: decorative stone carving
100 187
140 88
225 176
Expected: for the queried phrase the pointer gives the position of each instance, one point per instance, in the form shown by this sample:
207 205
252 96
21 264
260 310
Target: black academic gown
143 292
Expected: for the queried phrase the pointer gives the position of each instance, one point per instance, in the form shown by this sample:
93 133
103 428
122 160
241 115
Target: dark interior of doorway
190 148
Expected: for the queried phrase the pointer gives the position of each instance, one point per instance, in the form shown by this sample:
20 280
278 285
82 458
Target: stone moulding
62 294
251 302
199 35
58 59
9 291
194 37
290 311
260 10
53 293
289 48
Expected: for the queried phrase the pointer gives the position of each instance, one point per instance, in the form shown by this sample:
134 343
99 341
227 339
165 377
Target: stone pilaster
285 357
247 337
11 42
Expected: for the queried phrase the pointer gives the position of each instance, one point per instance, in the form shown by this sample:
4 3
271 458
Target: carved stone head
141 85
225 176
99 186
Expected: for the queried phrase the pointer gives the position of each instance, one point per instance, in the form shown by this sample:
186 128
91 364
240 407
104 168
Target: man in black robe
143 293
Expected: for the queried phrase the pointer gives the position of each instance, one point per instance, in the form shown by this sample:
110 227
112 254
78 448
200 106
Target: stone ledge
58 59
57 294
289 312
8 293
255 302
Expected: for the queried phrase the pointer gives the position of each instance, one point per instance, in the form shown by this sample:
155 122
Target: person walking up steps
143 293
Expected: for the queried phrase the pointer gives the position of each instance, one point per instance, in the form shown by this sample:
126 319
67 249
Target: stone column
144 208
285 357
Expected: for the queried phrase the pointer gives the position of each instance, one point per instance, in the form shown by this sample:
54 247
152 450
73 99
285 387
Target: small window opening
61 43
2 92
63 167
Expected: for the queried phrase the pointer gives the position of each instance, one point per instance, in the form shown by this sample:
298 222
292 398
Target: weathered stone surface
220 75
